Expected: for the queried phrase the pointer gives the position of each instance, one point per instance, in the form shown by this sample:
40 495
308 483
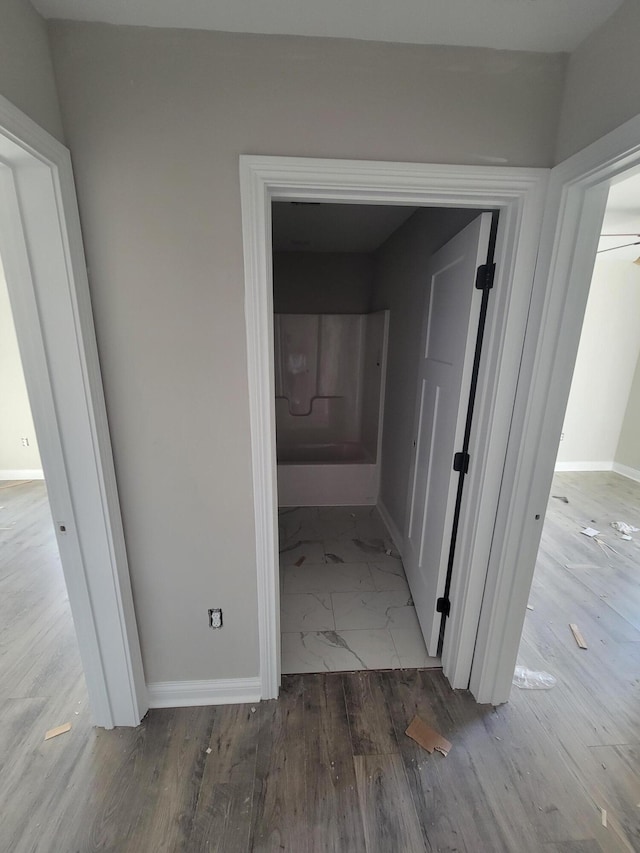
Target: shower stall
329 380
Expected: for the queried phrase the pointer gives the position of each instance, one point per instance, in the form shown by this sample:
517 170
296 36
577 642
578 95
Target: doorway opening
41 659
518 195
378 319
46 277
586 567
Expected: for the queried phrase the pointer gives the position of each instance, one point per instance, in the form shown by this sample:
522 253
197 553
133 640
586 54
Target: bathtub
320 454
337 474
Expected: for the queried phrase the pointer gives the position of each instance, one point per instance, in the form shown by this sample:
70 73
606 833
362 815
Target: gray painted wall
400 286
156 120
603 82
322 282
26 70
628 452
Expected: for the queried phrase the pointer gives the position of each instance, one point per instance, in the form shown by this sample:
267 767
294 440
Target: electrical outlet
25 442
215 617
561 436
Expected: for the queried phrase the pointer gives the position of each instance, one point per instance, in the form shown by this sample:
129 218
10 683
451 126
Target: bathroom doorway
352 303
517 195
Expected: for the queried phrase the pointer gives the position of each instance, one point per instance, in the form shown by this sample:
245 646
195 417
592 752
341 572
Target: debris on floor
562 498
623 527
603 813
529 607
208 750
577 635
529 679
604 544
590 532
333 558
300 561
426 737
59 730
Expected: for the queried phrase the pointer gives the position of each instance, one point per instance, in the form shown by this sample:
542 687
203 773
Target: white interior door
444 380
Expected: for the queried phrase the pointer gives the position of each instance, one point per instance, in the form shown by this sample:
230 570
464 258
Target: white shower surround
330 375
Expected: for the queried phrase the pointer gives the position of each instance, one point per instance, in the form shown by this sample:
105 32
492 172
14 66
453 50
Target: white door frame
519 194
574 210
43 257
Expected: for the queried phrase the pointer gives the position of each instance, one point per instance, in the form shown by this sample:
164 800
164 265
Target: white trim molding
219 691
572 222
392 527
22 474
626 471
45 267
519 196
583 466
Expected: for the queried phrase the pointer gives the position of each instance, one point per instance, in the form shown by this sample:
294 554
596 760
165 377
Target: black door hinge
485 276
443 605
461 462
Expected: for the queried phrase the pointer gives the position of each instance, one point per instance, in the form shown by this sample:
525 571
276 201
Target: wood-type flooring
327 767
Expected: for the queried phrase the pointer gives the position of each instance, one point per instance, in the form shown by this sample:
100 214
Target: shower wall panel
318 359
329 377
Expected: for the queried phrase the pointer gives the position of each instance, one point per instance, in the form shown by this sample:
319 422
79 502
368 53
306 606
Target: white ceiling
334 227
547 25
622 217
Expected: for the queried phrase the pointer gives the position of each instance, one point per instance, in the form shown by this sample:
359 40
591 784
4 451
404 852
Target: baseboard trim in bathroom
385 515
218 691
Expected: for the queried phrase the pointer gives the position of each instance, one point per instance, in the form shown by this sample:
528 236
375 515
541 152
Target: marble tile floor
345 602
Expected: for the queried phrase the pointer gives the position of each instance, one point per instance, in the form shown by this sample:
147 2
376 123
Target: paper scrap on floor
529 679
624 528
427 737
590 532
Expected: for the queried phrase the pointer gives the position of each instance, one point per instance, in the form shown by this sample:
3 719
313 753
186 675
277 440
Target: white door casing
518 194
572 222
450 328
43 257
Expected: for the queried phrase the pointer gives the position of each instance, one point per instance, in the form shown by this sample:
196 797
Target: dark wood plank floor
327 767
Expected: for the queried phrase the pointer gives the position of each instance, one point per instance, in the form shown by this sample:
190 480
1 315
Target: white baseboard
395 534
219 691
584 466
22 474
626 471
